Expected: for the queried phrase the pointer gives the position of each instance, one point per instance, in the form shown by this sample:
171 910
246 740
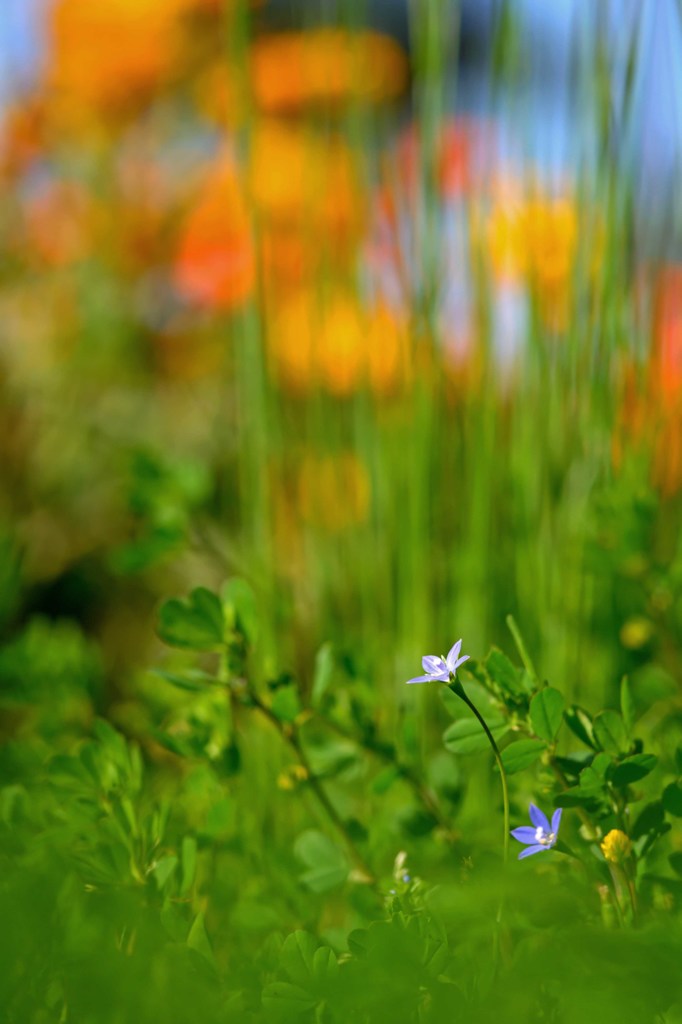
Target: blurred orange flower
108 53
651 404
666 366
461 144
338 346
533 239
217 95
215 261
22 134
666 381
299 177
293 70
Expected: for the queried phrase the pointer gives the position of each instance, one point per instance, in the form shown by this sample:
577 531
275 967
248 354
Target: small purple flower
441 670
542 836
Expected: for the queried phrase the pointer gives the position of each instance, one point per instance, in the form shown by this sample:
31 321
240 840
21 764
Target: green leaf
288 1001
325 966
652 683
325 670
196 623
383 780
173 922
417 822
189 863
467 737
675 861
572 764
198 939
546 713
575 797
297 957
609 732
220 819
580 723
672 799
285 703
326 863
504 673
601 763
650 820
522 754
627 707
192 680
592 782
357 942
163 869
240 607
632 769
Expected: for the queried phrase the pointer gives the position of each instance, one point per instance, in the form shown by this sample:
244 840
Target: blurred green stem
290 735
521 648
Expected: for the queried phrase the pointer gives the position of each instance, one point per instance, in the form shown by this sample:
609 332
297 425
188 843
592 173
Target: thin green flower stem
290 735
457 688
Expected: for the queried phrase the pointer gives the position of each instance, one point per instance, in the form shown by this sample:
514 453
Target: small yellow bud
616 846
292 776
636 633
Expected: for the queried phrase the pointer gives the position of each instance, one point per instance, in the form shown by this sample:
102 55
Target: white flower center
544 838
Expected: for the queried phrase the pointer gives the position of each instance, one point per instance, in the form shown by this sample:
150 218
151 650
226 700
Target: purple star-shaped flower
541 836
441 670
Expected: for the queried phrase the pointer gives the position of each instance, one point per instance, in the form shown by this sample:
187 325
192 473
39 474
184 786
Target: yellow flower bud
291 777
616 846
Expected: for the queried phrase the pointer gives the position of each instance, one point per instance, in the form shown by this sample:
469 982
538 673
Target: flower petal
530 850
453 656
556 820
460 661
440 677
525 834
432 664
538 818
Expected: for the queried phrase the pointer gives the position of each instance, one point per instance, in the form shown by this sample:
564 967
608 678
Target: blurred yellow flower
291 777
338 346
533 239
298 177
293 70
636 632
616 846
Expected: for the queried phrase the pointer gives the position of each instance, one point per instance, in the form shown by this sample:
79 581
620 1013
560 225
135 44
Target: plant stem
290 735
457 688
521 648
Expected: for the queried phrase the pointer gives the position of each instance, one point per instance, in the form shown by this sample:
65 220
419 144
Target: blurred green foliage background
293 328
